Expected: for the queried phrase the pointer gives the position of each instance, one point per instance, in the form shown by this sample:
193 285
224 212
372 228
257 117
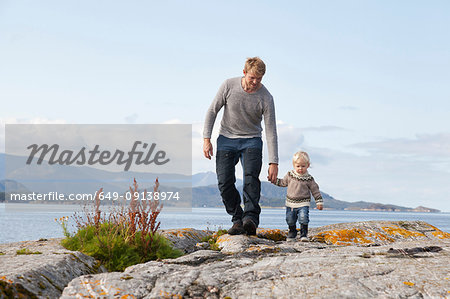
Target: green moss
52 283
212 239
42 286
14 290
128 277
26 251
2 253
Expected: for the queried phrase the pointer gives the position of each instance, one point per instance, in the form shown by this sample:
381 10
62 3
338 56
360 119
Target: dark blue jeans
249 152
300 214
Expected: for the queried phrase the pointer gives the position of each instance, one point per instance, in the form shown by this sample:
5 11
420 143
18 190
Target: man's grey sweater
243 113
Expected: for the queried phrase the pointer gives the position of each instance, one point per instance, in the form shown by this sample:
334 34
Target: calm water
32 222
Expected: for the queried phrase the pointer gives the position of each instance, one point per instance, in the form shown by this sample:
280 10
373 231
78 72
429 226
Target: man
246 101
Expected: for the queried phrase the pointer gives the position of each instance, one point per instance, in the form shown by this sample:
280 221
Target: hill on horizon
204 186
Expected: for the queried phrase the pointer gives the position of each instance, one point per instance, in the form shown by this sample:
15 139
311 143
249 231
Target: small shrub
126 236
118 254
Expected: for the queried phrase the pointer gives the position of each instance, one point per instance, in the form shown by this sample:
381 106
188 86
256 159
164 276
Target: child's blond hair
301 155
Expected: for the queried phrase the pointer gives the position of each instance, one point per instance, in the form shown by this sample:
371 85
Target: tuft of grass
27 251
212 239
2 253
124 237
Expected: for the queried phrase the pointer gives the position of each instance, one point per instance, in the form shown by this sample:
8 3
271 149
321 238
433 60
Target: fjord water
21 222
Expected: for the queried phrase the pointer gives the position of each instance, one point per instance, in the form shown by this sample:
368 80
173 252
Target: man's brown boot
236 229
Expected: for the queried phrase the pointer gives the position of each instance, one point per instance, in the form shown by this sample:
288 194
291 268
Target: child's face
300 166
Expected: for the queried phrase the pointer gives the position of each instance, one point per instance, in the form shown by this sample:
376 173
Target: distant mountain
70 179
207 178
2 166
7 184
204 179
273 196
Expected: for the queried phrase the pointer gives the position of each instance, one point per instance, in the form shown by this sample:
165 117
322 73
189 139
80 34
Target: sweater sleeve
283 182
217 104
314 188
271 130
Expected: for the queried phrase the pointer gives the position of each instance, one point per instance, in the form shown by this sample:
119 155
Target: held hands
207 148
273 173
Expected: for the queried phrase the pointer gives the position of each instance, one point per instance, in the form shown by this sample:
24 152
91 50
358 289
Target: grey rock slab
43 274
296 270
230 244
185 239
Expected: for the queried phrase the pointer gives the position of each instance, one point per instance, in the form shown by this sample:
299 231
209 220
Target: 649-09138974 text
57 196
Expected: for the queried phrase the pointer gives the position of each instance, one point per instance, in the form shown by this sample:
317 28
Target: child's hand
320 207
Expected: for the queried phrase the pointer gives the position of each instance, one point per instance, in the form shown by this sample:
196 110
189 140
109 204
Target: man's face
252 81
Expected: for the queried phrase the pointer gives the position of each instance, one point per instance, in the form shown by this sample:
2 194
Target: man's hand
273 173
207 148
320 207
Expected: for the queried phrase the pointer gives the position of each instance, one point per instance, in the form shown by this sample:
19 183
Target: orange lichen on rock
6 279
223 238
351 237
100 289
272 234
263 248
439 233
185 233
398 231
165 294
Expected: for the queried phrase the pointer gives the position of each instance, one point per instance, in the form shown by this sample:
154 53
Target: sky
362 86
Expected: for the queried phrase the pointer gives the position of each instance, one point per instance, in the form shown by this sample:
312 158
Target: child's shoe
304 233
292 233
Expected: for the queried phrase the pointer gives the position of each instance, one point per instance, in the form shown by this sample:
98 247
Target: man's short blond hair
255 65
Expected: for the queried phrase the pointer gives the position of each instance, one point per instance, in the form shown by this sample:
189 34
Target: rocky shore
377 259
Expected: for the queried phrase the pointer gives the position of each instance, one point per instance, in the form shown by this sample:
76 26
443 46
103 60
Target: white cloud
34 121
131 119
385 179
174 121
12 120
349 108
424 145
382 175
324 129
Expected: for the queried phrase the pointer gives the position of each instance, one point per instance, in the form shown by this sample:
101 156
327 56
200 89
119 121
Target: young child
300 184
